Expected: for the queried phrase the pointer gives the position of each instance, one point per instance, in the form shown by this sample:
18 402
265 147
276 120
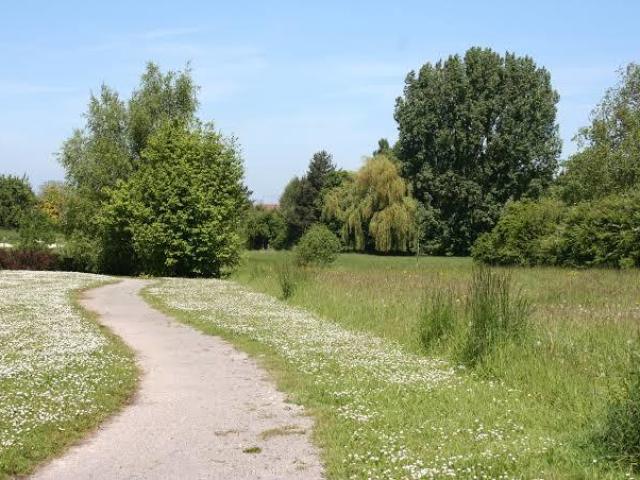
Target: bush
318 246
179 214
80 254
28 259
522 236
603 232
16 198
437 317
621 432
495 314
36 230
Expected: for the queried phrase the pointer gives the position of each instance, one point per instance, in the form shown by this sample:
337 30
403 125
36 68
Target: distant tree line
591 215
150 188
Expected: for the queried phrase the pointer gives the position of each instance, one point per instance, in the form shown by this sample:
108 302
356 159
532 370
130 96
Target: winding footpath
203 409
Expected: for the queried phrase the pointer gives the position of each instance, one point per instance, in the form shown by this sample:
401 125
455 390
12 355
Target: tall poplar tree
474 132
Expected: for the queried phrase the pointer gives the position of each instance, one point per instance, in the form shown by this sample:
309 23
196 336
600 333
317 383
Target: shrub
179 214
603 232
16 198
28 259
318 246
495 314
80 254
36 230
437 317
621 433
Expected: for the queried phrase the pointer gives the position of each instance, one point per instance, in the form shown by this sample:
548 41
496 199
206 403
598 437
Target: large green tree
609 160
111 157
180 212
16 199
301 202
374 208
592 216
109 146
474 132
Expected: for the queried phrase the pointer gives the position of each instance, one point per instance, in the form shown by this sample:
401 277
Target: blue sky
287 78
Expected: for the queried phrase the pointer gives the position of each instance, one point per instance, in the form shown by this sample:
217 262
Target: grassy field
386 408
60 372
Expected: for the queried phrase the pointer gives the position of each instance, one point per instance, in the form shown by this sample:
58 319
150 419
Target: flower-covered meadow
60 373
382 412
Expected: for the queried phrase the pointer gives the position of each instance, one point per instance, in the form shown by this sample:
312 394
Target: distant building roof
268 206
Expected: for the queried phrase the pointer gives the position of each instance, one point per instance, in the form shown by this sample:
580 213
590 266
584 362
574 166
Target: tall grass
497 313
620 436
438 317
290 275
568 355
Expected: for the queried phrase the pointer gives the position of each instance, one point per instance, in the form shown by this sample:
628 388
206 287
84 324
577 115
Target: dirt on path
203 409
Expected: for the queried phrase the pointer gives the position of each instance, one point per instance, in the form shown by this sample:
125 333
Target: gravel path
203 409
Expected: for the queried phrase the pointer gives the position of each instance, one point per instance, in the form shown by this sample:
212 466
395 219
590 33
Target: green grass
8 236
528 410
71 388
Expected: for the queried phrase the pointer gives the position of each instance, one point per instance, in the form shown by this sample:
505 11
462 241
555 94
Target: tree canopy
609 160
151 188
591 217
301 202
180 212
374 208
474 132
16 199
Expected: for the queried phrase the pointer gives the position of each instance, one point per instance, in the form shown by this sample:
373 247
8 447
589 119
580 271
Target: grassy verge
61 373
387 410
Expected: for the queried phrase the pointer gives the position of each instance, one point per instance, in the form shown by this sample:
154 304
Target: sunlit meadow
385 408
60 373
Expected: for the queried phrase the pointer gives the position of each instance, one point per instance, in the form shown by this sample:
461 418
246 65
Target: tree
52 199
591 216
302 200
475 132
179 213
108 148
16 199
375 208
265 228
609 160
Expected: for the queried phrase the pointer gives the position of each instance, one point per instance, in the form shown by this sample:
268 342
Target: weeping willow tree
374 208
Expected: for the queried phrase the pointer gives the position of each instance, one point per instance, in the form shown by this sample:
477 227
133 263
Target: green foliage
36 230
438 317
52 199
374 208
139 202
302 201
265 228
595 220
469 141
180 212
318 246
525 235
609 161
620 435
496 315
81 253
603 232
16 198
108 148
